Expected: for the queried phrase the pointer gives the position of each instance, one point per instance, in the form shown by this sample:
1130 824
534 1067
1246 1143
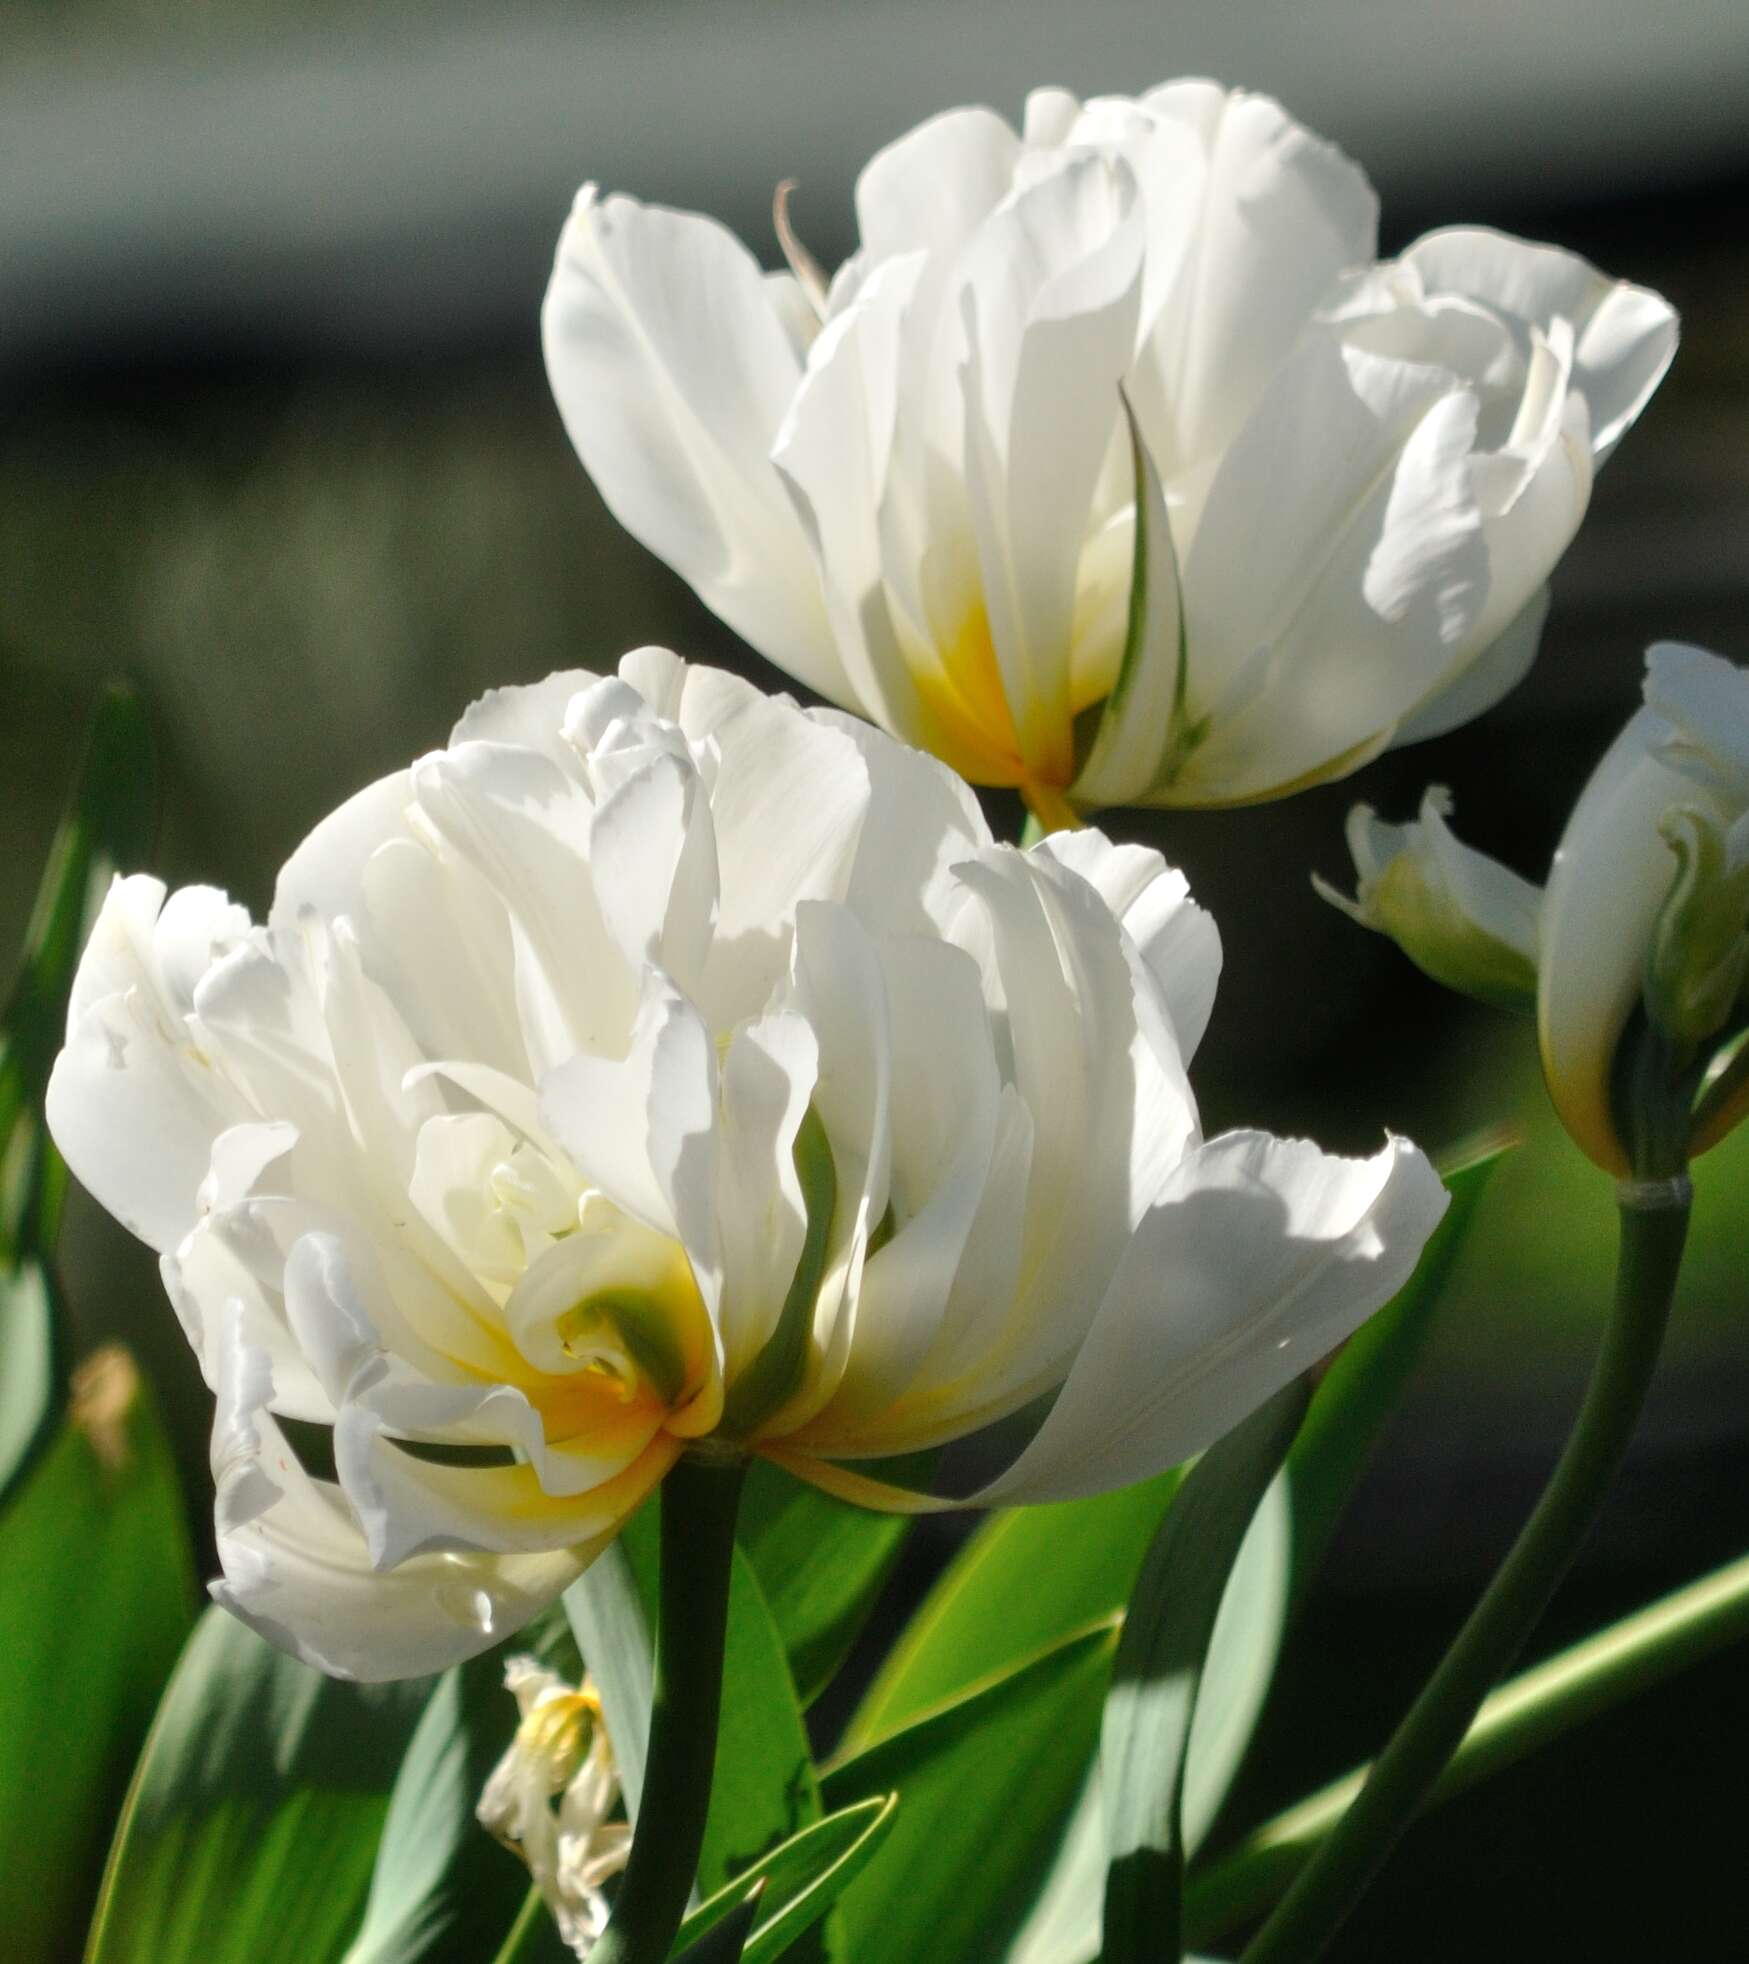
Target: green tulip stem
1532 1710
1654 1223
700 1498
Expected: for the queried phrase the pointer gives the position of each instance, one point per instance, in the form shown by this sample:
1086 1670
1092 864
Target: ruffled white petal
1625 336
672 370
1336 572
1258 1258
135 1103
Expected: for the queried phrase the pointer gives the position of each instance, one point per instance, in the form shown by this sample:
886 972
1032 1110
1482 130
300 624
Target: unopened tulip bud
1459 916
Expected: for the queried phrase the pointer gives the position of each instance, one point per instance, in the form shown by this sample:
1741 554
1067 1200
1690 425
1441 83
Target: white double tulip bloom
664 1066
917 489
1644 923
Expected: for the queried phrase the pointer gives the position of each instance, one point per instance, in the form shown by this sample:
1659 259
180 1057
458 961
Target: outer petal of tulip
132 1098
1611 875
672 368
1624 335
297 1571
1258 1258
1337 567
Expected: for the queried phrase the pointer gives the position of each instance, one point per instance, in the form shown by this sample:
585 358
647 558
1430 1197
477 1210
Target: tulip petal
523 825
1625 336
298 1572
134 1104
643 1129
1279 214
768 1077
1176 941
922 820
1050 303
943 1107
1611 875
1335 574
1260 1255
325 875
789 804
672 370
834 453
1489 679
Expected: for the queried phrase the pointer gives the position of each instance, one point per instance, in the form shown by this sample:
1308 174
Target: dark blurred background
276 442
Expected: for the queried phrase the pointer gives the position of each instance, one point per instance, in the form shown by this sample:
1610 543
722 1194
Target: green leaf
442 1887
725 1942
1025 1579
612 1618
1064 1925
252 1828
765 1788
1169 1651
984 1785
99 1588
106 825
803 1878
1366 1381
821 1564
29 1340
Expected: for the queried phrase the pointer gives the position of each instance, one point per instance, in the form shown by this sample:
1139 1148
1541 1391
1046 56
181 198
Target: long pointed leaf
821 1564
1161 1666
441 1886
99 1587
1025 1580
985 1784
252 1827
803 1878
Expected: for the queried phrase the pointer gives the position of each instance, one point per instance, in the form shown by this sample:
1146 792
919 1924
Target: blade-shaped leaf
1169 1649
1364 1384
612 1620
29 1340
821 1564
1064 1925
985 1784
252 1828
441 1886
99 1588
803 1878
725 1942
1025 1580
1141 732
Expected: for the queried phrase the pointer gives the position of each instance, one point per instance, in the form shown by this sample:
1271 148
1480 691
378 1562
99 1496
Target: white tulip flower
662 1066
916 487
561 1753
1644 924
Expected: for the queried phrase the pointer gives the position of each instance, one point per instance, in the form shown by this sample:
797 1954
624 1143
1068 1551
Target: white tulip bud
1459 916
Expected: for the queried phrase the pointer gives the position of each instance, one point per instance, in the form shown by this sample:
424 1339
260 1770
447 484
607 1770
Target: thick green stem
1654 1222
1541 1705
700 1497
